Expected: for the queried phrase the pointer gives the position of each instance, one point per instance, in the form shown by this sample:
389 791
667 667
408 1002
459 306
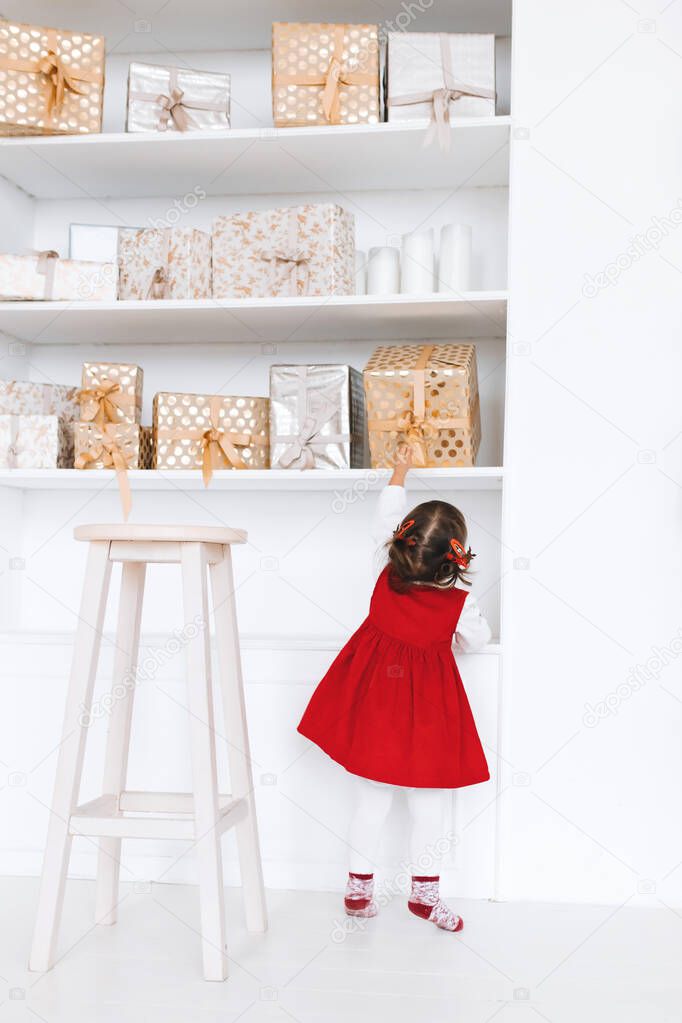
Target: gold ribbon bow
415 433
441 98
109 453
299 447
219 447
59 80
159 284
174 105
103 403
46 264
172 108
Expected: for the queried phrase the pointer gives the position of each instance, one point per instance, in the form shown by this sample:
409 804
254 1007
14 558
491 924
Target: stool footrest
161 815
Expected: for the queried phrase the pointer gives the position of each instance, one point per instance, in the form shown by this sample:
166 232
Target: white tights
427 826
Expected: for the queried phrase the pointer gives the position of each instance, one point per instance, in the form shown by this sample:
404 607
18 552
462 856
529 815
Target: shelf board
252 161
261 320
437 480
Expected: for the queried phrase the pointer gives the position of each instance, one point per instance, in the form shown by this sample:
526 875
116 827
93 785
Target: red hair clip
402 530
461 557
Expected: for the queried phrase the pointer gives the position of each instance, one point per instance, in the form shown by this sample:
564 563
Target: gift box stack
36 425
210 431
108 434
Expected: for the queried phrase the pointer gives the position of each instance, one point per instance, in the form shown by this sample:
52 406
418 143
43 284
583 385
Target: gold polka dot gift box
425 396
51 80
210 431
324 74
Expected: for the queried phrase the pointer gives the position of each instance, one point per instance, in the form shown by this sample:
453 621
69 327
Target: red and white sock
425 901
359 897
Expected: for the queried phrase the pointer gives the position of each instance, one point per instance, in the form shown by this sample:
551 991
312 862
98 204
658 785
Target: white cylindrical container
383 271
417 263
360 272
454 263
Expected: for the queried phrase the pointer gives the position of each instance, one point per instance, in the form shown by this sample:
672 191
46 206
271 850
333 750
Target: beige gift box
324 74
164 98
111 392
205 431
169 262
35 442
44 276
25 397
51 80
437 76
294 250
95 447
425 396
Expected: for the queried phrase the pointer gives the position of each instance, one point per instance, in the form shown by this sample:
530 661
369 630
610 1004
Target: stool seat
162 533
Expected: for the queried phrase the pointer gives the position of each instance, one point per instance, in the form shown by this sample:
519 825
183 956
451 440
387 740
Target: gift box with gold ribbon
166 262
436 76
45 276
324 74
295 250
177 99
51 80
317 417
111 392
35 442
210 431
118 446
425 396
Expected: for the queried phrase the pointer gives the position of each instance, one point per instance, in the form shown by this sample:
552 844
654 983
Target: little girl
392 708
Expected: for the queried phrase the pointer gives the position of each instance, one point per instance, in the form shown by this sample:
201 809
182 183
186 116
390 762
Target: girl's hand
403 464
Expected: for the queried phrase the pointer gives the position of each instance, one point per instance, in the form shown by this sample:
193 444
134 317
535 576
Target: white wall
594 457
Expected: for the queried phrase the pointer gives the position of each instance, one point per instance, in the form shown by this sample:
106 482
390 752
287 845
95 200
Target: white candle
383 271
417 263
360 273
454 264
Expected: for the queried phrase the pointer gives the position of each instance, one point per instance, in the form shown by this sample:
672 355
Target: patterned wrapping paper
317 417
24 397
51 80
439 75
426 396
204 431
294 250
169 262
43 276
94 446
177 99
35 442
111 392
324 74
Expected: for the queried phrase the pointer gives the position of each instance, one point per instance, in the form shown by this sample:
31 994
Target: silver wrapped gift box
177 99
439 75
317 417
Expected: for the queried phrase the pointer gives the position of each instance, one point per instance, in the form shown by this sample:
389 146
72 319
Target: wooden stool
201 816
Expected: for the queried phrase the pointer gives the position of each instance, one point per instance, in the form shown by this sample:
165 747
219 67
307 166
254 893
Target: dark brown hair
418 550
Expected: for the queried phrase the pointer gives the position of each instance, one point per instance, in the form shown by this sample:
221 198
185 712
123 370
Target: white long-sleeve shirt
473 631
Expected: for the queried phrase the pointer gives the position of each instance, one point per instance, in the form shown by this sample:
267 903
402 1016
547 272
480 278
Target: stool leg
71 752
204 772
118 739
237 734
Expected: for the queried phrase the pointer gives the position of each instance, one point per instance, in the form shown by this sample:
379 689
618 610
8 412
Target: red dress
392 706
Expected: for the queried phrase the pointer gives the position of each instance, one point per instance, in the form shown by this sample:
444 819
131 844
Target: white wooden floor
514 963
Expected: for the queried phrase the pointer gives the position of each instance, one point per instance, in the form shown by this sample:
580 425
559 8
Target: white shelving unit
309 542
256 161
332 318
438 480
